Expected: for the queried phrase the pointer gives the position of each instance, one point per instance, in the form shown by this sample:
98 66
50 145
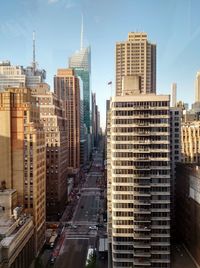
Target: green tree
91 261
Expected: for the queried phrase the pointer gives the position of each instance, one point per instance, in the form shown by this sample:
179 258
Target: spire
34 62
82 33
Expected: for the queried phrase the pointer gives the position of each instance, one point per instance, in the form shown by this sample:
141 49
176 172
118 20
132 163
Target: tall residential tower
138 161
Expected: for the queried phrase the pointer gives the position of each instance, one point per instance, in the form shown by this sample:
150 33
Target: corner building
139 181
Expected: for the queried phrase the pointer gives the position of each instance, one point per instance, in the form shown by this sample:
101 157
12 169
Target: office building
197 87
81 62
188 208
138 173
173 95
136 57
11 76
52 116
16 232
22 152
66 87
190 140
84 155
95 122
18 76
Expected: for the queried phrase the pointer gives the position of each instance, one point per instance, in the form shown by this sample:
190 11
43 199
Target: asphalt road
74 255
87 208
73 250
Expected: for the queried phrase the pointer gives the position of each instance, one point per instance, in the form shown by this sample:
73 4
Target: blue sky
174 25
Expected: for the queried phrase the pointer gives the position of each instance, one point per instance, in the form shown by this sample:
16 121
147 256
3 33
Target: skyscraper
136 56
138 161
66 86
197 87
173 94
22 152
80 61
139 176
52 116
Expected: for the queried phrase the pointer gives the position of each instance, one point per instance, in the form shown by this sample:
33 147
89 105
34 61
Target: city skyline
173 26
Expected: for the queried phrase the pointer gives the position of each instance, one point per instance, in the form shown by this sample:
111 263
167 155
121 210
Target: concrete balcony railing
141 228
141 244
142 236
141 263
141 253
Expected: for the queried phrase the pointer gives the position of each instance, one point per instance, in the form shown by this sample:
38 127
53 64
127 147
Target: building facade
136 56
18 76
81 63
190 142
22 152
52 116
16 233
175 156
138 173
173 95
197 87
95 122
66 86
188 208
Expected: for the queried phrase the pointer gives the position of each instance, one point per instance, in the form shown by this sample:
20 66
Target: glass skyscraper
81 62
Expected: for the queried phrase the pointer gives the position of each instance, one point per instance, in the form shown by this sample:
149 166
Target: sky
174 25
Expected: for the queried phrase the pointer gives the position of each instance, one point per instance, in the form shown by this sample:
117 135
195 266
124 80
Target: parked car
93 228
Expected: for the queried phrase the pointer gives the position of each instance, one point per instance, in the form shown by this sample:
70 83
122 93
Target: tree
91 261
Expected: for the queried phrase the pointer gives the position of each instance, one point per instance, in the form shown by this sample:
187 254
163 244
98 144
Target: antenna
82 33
34 62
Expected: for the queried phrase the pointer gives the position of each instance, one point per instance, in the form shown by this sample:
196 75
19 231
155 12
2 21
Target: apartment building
175 157
138 172
52 116
23 155
66 87
136 56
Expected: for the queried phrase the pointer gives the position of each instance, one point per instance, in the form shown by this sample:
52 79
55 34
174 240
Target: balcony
141 263
141 244
141 253
141 228
141 211
142 236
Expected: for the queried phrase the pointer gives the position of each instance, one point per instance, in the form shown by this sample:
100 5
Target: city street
71 249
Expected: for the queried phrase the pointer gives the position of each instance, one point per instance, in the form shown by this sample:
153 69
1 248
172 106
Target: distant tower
136 57
80 61
197 87
34 62
173 94
82 33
